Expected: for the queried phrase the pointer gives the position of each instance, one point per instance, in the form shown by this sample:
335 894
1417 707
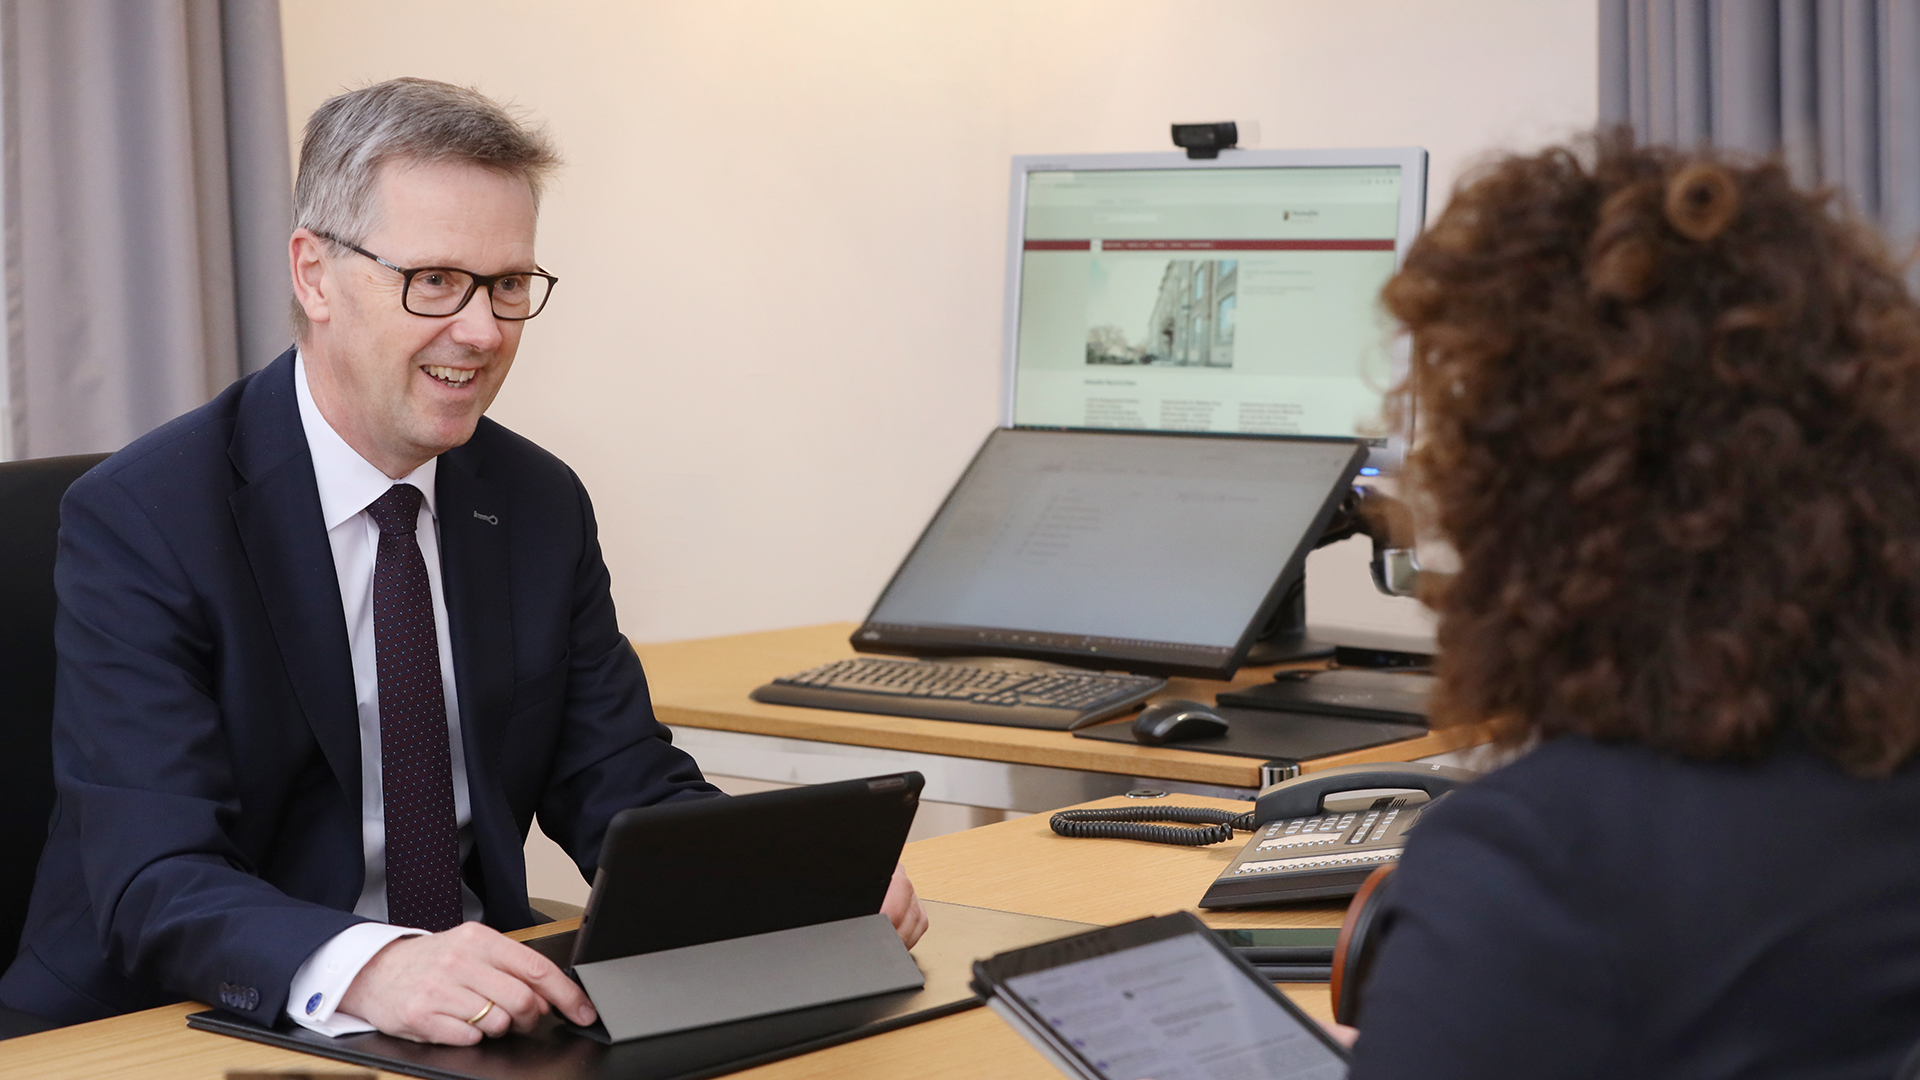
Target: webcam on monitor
1204 141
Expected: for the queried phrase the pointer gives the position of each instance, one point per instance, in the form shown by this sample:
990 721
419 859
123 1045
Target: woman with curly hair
1670 420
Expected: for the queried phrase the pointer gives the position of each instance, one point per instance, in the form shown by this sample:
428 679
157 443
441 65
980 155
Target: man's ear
306 254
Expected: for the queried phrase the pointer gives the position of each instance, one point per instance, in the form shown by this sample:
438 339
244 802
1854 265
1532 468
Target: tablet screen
1176 1009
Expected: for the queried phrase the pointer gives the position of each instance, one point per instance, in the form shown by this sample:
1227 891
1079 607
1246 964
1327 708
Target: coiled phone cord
1131 823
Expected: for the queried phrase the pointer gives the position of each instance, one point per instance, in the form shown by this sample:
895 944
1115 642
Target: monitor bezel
1411 160
1170 658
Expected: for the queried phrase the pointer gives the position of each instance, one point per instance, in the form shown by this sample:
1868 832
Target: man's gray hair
415 121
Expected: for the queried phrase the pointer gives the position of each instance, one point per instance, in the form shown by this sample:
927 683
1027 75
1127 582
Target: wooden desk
700 689
1016 865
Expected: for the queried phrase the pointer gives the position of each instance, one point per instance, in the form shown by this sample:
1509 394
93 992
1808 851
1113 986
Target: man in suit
328 643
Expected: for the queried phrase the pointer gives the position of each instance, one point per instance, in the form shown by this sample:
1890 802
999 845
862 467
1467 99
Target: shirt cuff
323 979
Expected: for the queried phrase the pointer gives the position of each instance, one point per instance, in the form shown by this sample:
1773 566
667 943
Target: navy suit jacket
207 834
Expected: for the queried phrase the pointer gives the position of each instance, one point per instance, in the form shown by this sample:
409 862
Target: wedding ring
482 1014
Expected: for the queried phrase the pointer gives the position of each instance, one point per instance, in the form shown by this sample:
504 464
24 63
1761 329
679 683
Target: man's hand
902 908
429 988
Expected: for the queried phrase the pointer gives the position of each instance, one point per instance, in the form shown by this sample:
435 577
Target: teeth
456 376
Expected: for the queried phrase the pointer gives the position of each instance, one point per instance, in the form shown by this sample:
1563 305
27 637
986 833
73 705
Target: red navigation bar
1212 245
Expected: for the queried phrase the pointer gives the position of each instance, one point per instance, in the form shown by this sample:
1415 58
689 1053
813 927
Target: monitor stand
1284 640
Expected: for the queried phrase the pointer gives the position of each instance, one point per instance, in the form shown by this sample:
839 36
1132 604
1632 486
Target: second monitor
1235 295
1145 552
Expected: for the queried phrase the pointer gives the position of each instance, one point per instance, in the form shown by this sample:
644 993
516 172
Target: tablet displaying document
1159 998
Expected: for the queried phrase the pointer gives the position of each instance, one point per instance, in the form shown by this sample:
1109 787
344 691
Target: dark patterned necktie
416 770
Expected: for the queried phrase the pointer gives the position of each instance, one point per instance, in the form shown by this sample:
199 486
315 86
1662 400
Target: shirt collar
348 482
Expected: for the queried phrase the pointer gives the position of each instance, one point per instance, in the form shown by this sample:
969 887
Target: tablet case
740 978
679 935
957 934
699 870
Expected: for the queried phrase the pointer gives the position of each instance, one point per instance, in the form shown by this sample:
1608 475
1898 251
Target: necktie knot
398 511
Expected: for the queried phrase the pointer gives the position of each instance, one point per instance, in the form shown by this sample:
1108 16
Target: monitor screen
1159 553
1240 295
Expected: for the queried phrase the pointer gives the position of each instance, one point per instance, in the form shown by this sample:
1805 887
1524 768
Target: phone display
1160 998
1281 937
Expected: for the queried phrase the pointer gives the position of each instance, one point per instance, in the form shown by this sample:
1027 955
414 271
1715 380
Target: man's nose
475 325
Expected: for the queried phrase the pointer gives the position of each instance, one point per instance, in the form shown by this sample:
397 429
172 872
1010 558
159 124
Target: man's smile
450 376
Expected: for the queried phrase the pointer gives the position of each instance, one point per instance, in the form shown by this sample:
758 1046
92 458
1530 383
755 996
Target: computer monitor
1237 295
1160 553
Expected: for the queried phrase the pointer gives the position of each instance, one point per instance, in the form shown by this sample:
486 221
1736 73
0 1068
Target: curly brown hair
1670 420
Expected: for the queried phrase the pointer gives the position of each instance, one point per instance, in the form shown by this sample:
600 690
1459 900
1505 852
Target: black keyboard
1056 698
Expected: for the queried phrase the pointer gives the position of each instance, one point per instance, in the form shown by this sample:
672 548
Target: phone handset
1356 786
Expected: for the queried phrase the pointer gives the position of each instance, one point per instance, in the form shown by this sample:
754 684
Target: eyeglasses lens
440 292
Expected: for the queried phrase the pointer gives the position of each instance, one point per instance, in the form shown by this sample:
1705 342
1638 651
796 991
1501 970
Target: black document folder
956 936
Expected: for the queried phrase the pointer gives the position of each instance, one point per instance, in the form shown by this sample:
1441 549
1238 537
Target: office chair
30 494
1360 934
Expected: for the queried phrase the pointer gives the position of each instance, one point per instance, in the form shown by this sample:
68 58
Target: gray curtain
1831 86
147 196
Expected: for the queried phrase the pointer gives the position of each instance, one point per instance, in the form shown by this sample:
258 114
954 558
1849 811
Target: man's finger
566 995
488 1016
899 899
902 908
917 924
446 1030
516 1004
546 980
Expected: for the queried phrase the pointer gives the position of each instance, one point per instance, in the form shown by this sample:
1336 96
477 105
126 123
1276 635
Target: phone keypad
1319 862
1292 845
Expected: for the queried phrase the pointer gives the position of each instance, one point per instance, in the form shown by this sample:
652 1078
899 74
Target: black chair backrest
30 494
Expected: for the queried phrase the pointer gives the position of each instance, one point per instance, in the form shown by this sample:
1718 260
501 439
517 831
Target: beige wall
780 233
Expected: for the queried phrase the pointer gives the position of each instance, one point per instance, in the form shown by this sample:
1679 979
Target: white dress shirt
348 485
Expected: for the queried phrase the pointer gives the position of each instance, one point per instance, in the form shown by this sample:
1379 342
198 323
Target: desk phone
1320 835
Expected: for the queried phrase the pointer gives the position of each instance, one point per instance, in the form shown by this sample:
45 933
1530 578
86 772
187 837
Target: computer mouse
1175 719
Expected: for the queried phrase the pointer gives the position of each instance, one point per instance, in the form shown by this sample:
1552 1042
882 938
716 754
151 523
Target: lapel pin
488 518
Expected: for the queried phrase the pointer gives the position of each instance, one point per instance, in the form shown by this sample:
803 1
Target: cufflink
312 1004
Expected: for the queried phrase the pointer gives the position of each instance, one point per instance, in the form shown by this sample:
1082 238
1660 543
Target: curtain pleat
1832 87
148 205
1899 65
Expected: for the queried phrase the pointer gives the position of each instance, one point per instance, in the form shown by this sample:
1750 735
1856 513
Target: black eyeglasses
438 292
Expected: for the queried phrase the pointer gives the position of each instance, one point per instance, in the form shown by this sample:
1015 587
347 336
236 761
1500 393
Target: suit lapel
277 512
474 572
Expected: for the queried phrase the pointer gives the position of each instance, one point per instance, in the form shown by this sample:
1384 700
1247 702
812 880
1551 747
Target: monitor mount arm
1387 522
1384 520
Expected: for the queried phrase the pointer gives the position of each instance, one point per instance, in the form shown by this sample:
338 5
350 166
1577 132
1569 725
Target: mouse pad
956 936
1266 734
